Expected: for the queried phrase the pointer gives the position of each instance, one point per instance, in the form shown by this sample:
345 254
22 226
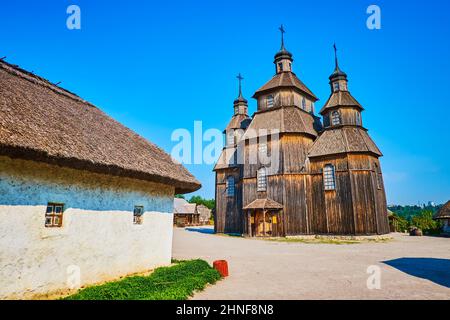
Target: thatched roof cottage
81 195
444 215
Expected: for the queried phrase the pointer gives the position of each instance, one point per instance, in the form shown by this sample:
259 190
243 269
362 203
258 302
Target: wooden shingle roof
265 204
287 80
288 119
343 140
341 99
43 122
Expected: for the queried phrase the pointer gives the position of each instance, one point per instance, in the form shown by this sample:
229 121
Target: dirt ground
408 267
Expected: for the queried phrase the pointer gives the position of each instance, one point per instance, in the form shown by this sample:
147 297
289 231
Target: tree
210 204
425 222
180 196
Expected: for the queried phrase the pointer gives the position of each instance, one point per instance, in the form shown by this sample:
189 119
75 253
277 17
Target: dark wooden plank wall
229 216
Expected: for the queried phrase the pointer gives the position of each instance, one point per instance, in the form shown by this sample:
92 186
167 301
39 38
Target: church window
138 215
336 86
329 177
378 177
335 118
230 138
54 215
262 148
358 118
262 179
230 186
269 101
280 66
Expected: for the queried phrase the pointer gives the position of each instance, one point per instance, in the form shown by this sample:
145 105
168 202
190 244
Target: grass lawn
177 282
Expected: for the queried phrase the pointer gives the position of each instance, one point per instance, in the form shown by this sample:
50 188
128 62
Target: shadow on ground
201 230
435 270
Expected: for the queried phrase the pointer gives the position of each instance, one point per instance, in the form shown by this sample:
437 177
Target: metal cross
281 28
240 78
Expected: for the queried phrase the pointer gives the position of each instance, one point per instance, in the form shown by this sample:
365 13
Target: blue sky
158 66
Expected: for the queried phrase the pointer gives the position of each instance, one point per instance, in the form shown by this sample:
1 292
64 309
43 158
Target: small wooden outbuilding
185 213
444 215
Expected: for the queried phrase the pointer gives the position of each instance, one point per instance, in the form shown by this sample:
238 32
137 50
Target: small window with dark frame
270 101
138 215
303 103
335 118
230 186
358 118
54 215
336 86
379 177
329 178
280 66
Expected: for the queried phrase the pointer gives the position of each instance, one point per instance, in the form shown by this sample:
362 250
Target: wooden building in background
283 172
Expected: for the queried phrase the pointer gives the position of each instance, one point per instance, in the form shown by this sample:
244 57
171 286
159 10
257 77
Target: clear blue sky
160 65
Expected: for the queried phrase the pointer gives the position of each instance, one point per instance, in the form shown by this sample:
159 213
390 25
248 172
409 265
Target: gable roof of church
43 122
287 80
343 140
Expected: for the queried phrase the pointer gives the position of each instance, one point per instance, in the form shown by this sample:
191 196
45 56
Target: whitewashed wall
98 234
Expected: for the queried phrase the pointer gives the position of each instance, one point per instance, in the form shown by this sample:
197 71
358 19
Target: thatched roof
444 212
343 140
42 122
265 204
340 99
289 119
181 206
287 80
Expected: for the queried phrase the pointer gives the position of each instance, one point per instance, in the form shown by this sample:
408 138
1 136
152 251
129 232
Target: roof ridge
41 81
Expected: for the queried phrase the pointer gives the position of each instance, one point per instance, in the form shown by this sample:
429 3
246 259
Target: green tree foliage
425 222
180 196
416 216
210 204
403 224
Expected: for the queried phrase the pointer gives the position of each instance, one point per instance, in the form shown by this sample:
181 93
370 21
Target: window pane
58 209
49 209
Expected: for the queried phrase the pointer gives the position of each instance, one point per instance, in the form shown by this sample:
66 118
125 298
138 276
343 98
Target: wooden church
284 172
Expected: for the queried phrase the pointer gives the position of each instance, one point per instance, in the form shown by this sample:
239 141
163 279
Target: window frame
358 119
230 138
54 215
270 101
231 186
336 116
378 177
261 179
329 177
138 218
336 87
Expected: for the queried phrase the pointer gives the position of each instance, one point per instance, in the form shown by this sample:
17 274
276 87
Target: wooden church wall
229 215
331 210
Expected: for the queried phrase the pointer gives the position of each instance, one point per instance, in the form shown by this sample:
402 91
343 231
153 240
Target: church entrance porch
263 224
263 218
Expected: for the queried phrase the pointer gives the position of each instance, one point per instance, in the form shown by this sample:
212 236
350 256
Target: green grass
176 282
